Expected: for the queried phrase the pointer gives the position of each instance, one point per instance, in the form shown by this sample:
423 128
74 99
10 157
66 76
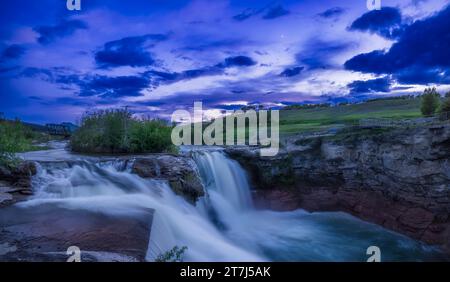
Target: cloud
112 87
275 12
128 51
271 11
237 61
318 54
247 13
91 85
289 72
13 51
368 86
161 77
421 51
65 28
419 75
127 86
332 13
386 22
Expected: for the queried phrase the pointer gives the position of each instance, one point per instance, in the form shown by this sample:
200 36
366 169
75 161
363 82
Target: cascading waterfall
224 225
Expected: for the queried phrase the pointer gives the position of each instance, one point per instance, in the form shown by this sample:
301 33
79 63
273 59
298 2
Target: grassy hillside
294 121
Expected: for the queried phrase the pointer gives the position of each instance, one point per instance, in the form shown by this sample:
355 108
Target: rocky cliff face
396 178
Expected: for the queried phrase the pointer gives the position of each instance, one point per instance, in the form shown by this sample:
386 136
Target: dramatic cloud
112 87
65 28
417 57
367 86
91 85
159 77
128 51
157 56
386 22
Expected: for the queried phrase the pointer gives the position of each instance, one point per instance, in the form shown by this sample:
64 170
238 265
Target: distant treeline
390 98
307 106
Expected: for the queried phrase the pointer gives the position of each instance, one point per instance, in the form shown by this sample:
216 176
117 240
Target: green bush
445 107
430 102
176 254
14 138
116 131
150 136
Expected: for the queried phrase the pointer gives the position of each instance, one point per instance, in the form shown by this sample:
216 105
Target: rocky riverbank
397 178
15 182
45 232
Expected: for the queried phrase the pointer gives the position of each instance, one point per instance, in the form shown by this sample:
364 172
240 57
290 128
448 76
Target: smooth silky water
224 225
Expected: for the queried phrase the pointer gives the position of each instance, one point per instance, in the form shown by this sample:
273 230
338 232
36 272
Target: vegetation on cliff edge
117 131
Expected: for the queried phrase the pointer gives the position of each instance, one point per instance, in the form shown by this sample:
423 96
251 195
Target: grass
116 132
15 138
322 118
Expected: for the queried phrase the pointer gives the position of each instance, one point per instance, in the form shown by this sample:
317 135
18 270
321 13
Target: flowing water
224 225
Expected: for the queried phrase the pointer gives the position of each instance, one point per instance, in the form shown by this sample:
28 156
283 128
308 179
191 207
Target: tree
430 101
447 95
445 107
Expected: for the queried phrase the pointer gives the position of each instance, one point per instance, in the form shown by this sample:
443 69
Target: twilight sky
156 56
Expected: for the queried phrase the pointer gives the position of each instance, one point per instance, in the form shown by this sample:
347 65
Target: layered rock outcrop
398 178
179 171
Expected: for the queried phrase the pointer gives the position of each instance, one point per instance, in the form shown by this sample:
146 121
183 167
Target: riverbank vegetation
116 131
15 138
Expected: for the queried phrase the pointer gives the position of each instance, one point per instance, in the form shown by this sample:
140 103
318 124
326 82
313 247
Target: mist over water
224 225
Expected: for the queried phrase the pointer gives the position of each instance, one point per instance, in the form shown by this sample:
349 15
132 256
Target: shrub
445 107
14 138
176 254
430 101
116 131
150 136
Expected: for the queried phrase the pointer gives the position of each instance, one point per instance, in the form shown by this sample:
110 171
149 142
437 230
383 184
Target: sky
157 56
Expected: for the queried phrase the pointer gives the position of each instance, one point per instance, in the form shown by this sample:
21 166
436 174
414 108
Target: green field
303 120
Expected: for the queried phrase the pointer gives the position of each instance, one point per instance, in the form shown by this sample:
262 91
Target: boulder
178 171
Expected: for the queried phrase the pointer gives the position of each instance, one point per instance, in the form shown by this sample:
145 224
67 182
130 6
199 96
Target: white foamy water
224 225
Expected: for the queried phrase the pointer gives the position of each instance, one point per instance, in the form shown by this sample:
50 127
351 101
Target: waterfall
224 178
110 188
223 225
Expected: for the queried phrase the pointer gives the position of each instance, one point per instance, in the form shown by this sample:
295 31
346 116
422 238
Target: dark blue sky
157 56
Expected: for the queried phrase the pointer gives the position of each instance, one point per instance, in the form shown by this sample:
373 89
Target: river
222 226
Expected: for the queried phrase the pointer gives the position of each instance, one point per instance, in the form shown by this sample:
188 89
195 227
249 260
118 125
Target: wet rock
44 233
179 171
20 175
